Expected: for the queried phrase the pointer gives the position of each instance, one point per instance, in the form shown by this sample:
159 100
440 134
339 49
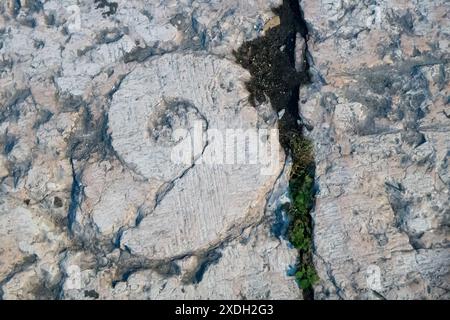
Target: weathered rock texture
378 113
93 207
92 204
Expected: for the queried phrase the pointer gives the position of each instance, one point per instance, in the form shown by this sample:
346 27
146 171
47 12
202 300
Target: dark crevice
91 294
271 62
276 75
210 258
74 198
111 6
18 268
11 109
129 264
8 142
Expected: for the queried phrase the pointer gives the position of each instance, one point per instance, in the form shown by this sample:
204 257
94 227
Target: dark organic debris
271 62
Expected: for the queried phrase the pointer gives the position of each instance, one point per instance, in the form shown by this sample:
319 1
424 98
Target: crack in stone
271 60
18 268
75 194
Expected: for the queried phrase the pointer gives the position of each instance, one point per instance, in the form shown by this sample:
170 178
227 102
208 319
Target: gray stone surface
92 204
378 110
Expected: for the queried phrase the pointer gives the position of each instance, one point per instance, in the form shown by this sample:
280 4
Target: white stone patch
176 91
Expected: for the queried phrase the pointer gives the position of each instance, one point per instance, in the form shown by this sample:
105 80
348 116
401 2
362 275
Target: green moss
301 190
306 276
301 187
271 62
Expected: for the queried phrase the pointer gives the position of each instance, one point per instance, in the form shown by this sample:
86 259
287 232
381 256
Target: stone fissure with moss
271 62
